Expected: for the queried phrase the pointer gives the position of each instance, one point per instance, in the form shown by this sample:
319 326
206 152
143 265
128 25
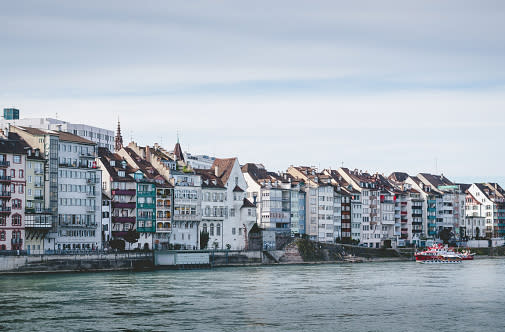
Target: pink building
12 194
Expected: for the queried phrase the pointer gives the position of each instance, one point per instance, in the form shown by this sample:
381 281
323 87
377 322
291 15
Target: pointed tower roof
178 150
118 139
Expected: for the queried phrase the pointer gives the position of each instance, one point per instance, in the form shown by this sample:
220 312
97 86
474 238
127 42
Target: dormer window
113 163
121 174
123 164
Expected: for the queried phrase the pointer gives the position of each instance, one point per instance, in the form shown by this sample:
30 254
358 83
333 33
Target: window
204 228
13 173
16 204
21 188
2 236
21 173
17 159
211 229
16 220
218 229
233 231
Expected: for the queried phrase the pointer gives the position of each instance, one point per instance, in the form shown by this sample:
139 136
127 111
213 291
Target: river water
397 296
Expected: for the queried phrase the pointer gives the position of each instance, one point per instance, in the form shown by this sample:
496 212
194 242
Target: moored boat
439 255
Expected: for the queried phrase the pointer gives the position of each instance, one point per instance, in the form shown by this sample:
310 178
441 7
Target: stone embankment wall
76 263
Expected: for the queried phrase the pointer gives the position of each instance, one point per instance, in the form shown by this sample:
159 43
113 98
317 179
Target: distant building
11 114
102 137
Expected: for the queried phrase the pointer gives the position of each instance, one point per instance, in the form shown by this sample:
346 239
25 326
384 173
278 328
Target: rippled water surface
356 297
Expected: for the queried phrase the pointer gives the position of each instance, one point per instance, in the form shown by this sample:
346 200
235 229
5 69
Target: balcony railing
5 209
127 192
39 224
187 217
5 194
122 205
5 178
123 219
5 163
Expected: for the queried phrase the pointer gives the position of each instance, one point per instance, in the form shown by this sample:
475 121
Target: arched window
166 225
211 229
205 228
160 225
16 220
218 229
3 221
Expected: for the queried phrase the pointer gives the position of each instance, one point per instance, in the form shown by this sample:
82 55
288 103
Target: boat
466 255
439 254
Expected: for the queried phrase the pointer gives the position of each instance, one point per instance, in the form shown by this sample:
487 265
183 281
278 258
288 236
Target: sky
382 86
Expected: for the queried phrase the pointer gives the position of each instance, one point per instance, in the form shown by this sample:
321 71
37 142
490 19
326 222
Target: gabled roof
237 189
398 176
68 137
436 180
106 157
247 203
224 167
11 145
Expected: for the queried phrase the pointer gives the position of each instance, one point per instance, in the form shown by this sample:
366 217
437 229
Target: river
396 296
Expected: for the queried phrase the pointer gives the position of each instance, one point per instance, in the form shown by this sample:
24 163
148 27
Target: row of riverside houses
62 191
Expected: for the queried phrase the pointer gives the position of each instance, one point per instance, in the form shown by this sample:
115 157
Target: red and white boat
466 255
438 254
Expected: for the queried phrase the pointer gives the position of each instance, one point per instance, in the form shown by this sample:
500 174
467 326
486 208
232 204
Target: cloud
386 85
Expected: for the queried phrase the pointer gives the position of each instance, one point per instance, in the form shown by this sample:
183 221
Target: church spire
119 139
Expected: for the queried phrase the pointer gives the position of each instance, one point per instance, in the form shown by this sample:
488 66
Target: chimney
148 153
216 170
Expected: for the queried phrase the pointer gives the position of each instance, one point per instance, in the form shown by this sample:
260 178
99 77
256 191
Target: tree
132 236
204 239
445 235
117 244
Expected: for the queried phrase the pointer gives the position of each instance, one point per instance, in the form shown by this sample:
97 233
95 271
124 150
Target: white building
73 188
102 137
241 212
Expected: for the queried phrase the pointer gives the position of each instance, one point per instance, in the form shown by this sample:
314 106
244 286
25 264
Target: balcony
187 217
5 209
38 171
87 155
126 192
149 206
5 163
146 229
38 185
5 194
123 219
403 213
92 181
38 224
17 241
122 205
5 178
432 210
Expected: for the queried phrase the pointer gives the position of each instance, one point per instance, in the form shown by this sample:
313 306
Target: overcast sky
375 85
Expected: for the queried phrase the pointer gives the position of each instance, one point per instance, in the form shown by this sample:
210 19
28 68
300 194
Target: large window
16 220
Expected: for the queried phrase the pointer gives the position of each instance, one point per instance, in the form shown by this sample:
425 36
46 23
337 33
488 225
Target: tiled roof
209 179
225 166
248 203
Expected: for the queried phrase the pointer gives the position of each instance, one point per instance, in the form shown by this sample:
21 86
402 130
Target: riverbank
300 252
